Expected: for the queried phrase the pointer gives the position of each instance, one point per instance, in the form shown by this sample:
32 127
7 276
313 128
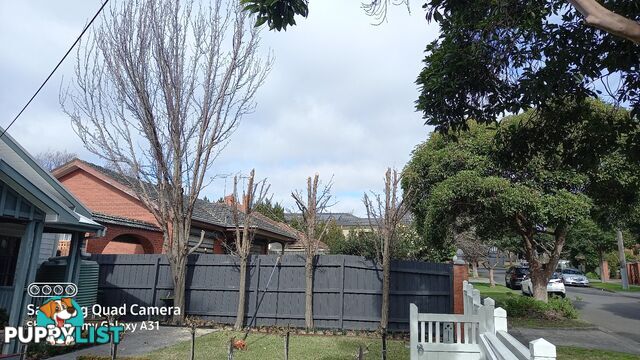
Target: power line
55 68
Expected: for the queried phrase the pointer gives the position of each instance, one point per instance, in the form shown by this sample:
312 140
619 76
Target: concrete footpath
140 342
590 338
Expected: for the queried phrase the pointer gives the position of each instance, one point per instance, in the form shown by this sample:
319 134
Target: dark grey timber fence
347 291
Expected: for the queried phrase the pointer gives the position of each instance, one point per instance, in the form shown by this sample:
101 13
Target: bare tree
384 217
158 91
254 194
475 251
310 206
52 159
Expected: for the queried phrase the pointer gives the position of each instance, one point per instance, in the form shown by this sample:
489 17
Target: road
615 313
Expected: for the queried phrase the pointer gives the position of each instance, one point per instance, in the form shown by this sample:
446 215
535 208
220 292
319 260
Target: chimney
229 200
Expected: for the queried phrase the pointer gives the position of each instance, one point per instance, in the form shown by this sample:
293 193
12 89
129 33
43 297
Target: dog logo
62 313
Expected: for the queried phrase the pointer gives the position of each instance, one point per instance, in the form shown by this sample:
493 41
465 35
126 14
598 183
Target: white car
554 286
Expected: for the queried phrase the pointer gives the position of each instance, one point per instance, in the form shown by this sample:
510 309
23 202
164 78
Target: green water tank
54 271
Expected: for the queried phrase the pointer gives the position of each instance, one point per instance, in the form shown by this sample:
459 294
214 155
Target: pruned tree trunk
310 205
252 195
384 218
474 269
386 281
308 291
242 295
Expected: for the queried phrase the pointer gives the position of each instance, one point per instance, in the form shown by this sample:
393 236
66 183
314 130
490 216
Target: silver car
574 277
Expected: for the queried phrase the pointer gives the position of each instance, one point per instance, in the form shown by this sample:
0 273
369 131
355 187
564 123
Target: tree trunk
386 273
474 269
178 264
242 294
308 291
539 283
492 281
623 260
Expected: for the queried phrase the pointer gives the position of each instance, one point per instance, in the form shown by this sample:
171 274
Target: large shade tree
519 179
498 57
279 14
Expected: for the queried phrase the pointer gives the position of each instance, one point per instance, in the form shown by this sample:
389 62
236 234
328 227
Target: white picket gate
480 333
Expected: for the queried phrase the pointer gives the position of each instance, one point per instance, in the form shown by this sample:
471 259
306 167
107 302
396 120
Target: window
9 249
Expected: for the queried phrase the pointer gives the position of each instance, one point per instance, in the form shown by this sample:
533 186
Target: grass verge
575 353
614 287
271 347
529 313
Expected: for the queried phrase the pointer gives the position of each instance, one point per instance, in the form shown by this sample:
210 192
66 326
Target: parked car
574 277
514 276
554 286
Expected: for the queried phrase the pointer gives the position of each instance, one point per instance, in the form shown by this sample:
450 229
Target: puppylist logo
60 320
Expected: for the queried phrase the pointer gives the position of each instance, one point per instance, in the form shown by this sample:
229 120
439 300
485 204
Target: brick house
132 228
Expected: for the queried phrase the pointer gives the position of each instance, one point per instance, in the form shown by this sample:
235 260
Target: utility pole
623 261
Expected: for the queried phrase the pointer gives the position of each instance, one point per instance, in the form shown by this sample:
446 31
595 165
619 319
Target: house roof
213 213
118 220
343 219
23 173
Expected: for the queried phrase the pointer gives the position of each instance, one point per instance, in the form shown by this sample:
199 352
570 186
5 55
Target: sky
339 100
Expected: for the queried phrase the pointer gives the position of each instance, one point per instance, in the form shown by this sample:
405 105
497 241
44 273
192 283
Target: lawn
271 347
574 353
501 293
614 286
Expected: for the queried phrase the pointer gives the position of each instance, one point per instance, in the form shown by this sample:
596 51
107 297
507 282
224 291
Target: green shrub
592 276
564 307
528 307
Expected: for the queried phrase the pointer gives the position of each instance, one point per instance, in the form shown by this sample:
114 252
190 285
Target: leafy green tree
518 178
495 57
280 13
589 240
272 210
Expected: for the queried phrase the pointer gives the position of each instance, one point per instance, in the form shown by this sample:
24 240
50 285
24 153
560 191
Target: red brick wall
104 198
151 241
460 274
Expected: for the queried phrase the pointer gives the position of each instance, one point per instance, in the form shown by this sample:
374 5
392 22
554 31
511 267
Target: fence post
541 349
464 297
488 309
342 274
257 290
413 330
476 301
155 284
500 319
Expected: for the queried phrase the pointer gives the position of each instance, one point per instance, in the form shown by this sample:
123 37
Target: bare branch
598 16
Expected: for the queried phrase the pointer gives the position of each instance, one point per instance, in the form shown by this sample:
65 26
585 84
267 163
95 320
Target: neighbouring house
35 209
132 229
346 221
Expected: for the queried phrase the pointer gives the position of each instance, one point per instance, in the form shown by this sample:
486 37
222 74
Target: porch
33 203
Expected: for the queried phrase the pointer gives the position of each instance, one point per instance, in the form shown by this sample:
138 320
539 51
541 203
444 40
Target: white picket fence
478 334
